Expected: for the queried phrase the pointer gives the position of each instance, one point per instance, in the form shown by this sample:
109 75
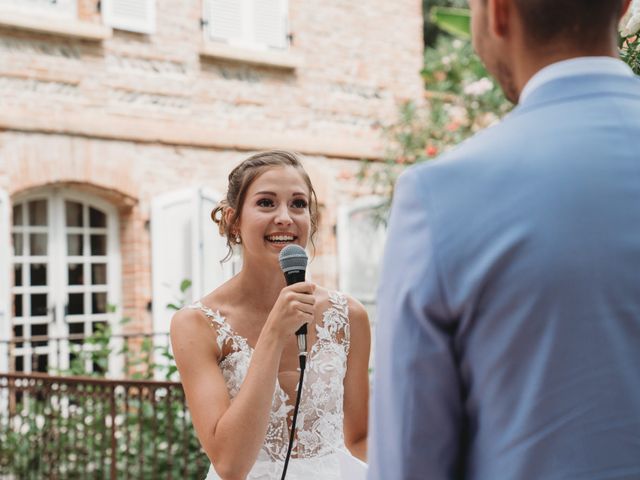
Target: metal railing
54 427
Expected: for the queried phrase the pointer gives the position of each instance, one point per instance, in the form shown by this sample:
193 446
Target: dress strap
336 318
219 323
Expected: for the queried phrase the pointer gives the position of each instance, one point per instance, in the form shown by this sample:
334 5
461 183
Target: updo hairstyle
241 178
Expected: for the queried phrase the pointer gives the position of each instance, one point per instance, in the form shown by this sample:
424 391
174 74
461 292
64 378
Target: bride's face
275 213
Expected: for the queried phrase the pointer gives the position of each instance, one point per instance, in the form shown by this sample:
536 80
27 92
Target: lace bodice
319 429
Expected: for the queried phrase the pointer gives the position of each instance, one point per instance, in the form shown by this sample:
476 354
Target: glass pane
38 243
17 215
99 302
17 305
38 274
18 244
18 333
97 218
38 304
76 304
38 212
76 274
99 326
17 275
98 244
42 361
74 214
39 331
20 363
75 328
99 274
74 245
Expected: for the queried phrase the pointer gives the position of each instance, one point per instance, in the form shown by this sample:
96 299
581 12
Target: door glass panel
99 302
17 333
76 276
38 274
17 305
99 274
39 330
38 243
38 212
76 328
17 274
38 304
74 245
76 304
98 244
17 215
97 218
18 244
74 214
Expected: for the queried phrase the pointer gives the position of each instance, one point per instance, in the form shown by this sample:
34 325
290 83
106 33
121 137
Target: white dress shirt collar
575 66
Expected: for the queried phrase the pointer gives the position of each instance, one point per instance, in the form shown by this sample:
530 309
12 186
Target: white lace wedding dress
319 425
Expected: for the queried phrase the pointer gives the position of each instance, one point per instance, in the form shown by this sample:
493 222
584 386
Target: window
60 8
260 24
66 274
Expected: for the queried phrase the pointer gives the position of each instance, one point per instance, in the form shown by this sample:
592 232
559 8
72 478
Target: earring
238 239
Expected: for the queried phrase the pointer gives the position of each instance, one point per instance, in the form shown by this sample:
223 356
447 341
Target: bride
236 349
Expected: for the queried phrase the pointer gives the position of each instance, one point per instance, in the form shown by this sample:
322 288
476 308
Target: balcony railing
58 425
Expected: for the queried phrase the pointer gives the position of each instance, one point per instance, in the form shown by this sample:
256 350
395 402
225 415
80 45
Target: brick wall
134 116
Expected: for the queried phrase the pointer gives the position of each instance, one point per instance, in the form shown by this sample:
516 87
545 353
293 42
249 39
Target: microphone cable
303 363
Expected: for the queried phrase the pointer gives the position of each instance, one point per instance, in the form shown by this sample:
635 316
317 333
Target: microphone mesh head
293 257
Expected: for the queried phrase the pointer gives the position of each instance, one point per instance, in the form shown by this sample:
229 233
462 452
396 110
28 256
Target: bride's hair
241 178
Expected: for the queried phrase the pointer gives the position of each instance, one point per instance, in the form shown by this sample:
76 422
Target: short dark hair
587 22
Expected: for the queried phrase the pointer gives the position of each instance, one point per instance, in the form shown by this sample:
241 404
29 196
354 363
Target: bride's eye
265 202
299 203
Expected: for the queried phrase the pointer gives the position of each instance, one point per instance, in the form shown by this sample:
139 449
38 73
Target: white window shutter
225 19
269 23
361 238
131 15
5 276
185 245
63 8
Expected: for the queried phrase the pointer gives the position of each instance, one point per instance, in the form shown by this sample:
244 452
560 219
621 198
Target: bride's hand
293 308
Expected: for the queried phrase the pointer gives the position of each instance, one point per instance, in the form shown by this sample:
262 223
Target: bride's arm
356 382
231 433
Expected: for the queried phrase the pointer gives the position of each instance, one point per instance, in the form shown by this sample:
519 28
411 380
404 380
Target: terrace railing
54 427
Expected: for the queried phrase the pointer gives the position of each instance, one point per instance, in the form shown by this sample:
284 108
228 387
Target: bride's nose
282 215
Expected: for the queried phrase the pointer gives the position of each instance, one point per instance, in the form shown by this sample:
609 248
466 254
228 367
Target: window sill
54 26
280 60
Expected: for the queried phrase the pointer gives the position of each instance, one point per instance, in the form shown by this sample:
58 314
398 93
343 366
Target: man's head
515 38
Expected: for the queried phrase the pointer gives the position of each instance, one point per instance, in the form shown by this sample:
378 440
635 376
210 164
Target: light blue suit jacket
508 344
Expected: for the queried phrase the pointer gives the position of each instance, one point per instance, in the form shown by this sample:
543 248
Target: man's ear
500 17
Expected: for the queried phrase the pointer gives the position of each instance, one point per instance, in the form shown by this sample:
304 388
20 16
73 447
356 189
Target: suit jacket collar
573 87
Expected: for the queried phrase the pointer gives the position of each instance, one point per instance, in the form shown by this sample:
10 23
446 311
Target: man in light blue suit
508 344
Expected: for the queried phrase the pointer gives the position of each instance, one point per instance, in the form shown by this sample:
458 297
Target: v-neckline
245 343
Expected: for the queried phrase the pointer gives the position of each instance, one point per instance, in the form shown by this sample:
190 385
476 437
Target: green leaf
456 21
185 284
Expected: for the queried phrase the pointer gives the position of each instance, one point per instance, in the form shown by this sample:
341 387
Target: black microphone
293 262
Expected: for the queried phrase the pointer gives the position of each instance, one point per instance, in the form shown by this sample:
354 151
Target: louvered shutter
131 15
225 19
361 238
269 23
62 8
185 245
5 278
